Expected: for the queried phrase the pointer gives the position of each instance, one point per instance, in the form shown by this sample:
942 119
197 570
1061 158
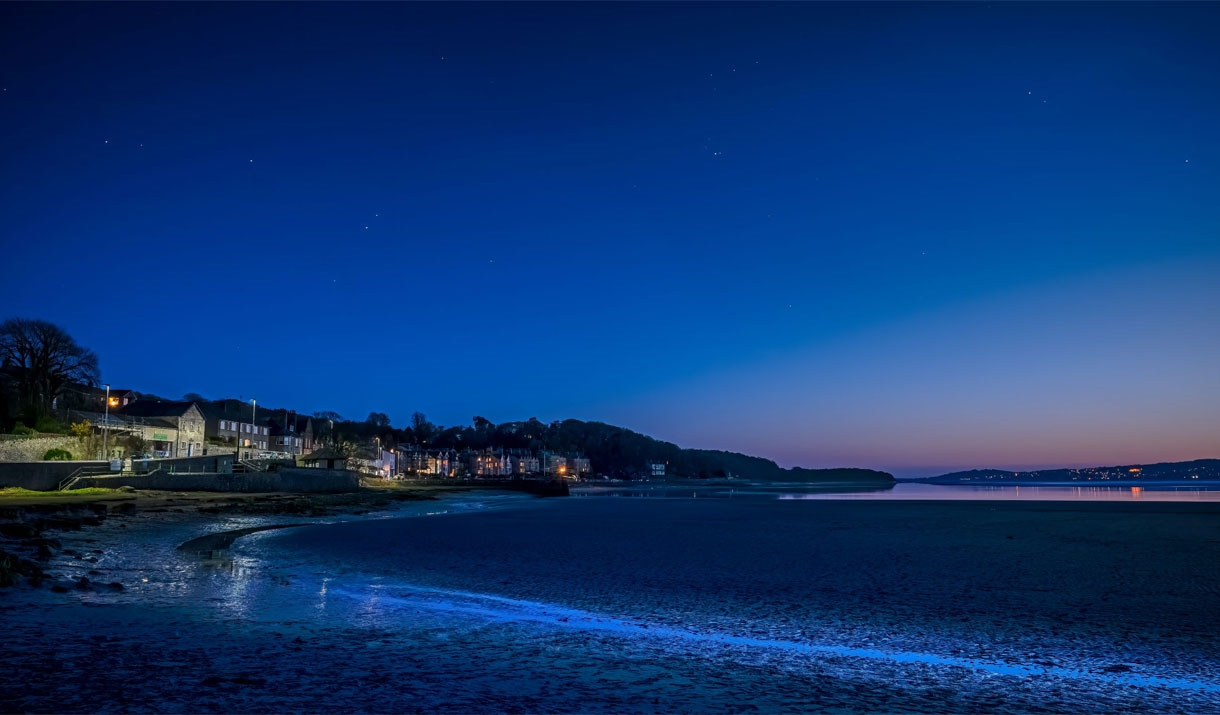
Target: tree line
39 361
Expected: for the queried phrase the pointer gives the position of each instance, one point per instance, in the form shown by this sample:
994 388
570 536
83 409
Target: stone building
173 429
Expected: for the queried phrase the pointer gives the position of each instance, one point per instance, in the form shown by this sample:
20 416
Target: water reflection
670 491
951 492
917 491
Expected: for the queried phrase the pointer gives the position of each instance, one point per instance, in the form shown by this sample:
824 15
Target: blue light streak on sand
509 610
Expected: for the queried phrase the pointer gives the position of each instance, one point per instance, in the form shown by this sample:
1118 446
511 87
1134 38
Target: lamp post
106 423
253 423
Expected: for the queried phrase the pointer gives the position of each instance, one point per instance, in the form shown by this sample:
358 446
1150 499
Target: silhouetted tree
47 360
425 431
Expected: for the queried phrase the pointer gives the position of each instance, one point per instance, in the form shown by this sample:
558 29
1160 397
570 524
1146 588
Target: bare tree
423 429
47 360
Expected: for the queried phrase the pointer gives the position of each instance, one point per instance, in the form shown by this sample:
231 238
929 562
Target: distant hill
1199 469
622 452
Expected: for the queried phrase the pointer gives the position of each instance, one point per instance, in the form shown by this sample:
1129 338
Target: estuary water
746 603
1093 491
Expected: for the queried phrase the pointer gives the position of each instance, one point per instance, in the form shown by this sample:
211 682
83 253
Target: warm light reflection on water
1027 493
919 491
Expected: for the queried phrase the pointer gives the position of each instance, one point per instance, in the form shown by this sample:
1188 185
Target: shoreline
33 529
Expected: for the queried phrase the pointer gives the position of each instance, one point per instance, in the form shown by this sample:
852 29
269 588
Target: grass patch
11 495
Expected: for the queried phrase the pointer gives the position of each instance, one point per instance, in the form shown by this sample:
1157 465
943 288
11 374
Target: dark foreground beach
610 605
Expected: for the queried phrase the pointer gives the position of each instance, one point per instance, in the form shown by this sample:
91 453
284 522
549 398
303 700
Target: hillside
1198 469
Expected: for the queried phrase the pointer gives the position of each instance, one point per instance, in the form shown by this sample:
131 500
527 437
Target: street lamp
106 423
253 423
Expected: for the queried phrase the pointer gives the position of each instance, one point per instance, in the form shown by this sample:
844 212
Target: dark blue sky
822 233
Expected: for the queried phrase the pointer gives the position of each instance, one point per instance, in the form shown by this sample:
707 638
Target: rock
13 566
114 586
126 489
83 583
1117 668
212 681
17 530
59 589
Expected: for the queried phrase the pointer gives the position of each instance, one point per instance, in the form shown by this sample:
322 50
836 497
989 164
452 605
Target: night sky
910 237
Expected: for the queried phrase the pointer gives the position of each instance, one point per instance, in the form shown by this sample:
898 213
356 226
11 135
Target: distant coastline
1197 471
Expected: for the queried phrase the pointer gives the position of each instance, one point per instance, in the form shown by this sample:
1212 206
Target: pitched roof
322 454
156 408
233 410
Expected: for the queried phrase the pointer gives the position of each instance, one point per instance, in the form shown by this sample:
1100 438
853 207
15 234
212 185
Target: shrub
21 429
49 425
57 455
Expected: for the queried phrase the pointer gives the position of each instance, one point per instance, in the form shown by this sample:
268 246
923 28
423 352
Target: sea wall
219 463
31 449
41 476
284 480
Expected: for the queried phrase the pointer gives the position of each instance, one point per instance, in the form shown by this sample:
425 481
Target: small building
656 469
86 398
325 458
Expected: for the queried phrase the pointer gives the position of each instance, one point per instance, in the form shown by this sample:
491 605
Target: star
366 228
106 141
251 161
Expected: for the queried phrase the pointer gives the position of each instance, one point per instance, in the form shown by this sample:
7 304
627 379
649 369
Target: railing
91 470
98 471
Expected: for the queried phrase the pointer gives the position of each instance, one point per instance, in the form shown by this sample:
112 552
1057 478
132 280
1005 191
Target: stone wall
31 449
42 476
285 480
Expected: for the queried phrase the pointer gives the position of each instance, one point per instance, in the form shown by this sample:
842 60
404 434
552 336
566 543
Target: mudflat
643 605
